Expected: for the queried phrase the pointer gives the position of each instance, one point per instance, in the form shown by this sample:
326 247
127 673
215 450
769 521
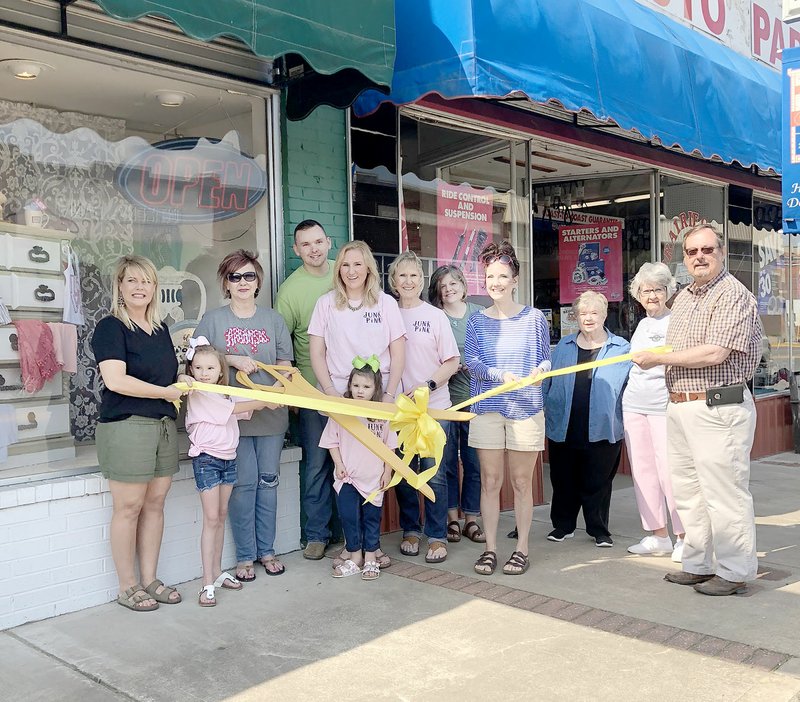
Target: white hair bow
193 344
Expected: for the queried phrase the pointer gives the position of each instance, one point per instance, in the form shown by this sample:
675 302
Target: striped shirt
724 313
496 346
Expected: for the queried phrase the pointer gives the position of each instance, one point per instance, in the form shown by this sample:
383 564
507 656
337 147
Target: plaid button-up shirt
724 313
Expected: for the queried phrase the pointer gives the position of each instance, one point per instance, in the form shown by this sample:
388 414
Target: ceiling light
632 198
172 98
25 69
596 203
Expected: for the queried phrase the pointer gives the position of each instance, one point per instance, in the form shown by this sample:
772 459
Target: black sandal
517 564
488 560
513 534
472 530
453 532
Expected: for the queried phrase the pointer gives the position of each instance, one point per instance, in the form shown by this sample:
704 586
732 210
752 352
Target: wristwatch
432 384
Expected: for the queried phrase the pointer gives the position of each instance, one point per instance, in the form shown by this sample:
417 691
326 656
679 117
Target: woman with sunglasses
246 332
644 417
506 342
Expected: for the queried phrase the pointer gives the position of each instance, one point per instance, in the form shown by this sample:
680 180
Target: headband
373 362
193 344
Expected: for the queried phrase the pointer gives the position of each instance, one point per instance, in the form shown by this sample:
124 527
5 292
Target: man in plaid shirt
715 333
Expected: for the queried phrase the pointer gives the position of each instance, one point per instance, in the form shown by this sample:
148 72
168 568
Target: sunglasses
502 258
236 277
707 251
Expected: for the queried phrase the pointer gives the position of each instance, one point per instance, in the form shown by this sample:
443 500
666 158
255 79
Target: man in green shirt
296 299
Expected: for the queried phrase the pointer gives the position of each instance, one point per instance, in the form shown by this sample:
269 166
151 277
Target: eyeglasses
707 251
236 277
652 291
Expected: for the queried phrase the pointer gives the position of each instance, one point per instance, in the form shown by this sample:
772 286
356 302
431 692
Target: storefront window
774 288
460 191
127 162
590 234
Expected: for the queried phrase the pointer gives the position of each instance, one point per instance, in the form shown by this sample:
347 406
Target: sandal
513 534
345 569
472 530
133 597
454 532
370 571
486 564
222 581
517 564
409 546
281 568
246 573
434 546
383 559
164 596
206 597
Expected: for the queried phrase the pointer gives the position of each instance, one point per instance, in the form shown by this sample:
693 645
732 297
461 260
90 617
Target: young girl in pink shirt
211 422
357 473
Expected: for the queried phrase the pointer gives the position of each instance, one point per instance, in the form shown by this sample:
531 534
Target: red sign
590 258
463 228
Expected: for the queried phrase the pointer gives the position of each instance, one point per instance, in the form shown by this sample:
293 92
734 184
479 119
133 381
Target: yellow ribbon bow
373 362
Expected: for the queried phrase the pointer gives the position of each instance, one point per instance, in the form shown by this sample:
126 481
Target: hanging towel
8 430
73 303
37 355
65 344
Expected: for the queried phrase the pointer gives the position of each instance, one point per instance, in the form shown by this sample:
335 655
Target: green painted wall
314 157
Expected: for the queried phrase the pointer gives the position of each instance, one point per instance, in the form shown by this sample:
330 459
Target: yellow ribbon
527 380
295 391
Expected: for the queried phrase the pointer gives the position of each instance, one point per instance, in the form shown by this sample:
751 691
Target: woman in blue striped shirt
503 343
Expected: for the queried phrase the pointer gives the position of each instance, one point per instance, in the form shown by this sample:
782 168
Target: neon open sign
192 179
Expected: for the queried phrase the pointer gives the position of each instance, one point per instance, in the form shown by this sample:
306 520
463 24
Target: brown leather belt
686 396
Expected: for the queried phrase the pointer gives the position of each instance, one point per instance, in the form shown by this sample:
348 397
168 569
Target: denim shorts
210 471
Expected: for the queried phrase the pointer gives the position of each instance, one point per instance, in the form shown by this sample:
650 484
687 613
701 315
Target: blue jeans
253 507
361 522
210 471
435 512
471 470
317 489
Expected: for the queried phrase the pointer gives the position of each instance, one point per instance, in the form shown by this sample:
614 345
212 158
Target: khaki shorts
494 431
137 449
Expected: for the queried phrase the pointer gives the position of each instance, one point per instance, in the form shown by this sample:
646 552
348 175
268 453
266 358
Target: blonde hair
590 298
406 257
148 271
372 285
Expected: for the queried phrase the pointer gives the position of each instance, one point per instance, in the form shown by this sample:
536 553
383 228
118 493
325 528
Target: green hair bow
373 362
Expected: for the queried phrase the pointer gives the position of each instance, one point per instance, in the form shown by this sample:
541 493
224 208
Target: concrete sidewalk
583 623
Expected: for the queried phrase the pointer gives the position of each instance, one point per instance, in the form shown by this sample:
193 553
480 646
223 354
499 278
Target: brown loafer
681 578
720 587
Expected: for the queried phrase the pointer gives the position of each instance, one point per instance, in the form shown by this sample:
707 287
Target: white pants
709 459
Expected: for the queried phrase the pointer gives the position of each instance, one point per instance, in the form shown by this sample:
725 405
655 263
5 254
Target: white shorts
494 431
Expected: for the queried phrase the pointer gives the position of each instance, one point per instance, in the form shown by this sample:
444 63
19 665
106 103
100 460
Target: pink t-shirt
430 343
364 468
212 425
348 334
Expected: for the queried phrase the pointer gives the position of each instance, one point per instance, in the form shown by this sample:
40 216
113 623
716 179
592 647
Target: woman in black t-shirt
137 444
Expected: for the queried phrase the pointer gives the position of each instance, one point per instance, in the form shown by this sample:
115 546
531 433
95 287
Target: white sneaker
652 546
677 552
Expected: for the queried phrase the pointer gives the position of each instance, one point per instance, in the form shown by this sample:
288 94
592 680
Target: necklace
355 309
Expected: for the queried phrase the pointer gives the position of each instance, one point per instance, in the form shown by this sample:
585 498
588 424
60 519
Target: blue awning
617 59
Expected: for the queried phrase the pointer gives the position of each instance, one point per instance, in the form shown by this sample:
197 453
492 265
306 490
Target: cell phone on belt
725 395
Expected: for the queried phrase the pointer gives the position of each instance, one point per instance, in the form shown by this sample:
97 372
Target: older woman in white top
644 413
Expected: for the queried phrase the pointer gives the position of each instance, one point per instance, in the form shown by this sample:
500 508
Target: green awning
331 36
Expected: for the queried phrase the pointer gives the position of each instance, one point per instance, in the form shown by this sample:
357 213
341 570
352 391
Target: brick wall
315 177
55 555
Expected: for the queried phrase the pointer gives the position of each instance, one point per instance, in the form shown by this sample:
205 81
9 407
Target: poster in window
463 228
590 258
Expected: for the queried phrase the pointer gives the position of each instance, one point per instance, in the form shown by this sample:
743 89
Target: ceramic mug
34 217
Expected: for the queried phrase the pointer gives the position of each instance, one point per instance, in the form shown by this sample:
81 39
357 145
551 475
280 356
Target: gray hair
406 257
590 298
656 273
700 227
